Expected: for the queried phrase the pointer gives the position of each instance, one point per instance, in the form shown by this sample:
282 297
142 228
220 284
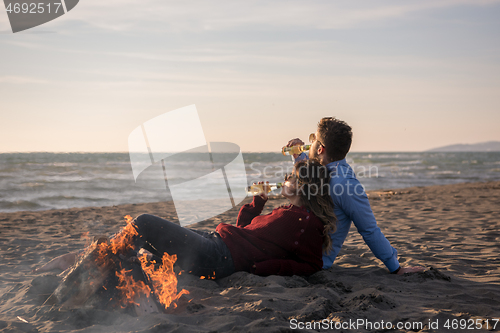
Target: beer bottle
257 189
294 149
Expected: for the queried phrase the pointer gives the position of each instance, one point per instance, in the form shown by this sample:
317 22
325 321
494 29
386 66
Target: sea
42 181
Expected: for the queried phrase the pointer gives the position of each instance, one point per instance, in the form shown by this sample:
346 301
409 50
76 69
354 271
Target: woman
290 240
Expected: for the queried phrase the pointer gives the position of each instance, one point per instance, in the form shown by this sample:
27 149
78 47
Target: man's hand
295 142
414 269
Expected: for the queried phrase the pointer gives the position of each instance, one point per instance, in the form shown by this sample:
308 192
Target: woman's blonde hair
313 181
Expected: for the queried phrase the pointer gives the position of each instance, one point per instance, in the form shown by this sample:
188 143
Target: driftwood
83 279
92 282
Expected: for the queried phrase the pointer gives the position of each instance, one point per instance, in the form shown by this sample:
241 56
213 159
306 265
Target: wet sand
454 230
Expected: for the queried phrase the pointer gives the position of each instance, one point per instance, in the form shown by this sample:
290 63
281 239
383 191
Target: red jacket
287 241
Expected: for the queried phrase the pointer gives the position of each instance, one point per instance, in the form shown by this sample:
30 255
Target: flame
163 280
130 289
209 277
122 242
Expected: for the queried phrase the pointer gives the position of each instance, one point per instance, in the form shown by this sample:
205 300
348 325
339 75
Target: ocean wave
51 164
413 162
71 198
32 184
63 164
445 172
65 179
18 205
36 181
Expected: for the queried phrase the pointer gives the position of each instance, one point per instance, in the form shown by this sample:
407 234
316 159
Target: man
330 144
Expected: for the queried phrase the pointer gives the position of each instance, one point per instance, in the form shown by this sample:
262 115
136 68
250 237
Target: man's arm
354 202
338 237
351 204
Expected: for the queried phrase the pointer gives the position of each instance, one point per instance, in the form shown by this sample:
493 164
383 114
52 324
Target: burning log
84 278
103 277
106 282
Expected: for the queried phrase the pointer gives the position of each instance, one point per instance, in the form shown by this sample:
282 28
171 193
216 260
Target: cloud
21 80
224 15
202 15
23 44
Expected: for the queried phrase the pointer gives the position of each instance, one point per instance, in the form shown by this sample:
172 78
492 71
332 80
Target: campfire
105 276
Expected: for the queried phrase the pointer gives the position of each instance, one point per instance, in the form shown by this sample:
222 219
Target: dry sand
453 230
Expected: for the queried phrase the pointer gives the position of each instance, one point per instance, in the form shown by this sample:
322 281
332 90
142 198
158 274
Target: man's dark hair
336 136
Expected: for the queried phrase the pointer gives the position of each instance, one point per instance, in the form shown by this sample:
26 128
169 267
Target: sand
453 230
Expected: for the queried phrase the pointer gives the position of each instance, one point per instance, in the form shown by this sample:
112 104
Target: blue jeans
198 252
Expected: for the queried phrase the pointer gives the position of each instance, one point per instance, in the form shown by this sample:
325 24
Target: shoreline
168 204
454 230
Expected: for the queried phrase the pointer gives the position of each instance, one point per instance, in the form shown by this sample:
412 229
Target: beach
453 230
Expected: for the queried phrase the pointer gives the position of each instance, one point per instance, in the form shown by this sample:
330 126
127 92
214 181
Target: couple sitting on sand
297 239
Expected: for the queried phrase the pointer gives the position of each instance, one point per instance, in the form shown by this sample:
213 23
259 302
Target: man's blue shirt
351 204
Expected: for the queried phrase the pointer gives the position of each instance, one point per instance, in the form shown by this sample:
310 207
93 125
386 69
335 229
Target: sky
406 75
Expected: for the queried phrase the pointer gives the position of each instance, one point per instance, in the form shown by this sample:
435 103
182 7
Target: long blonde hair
314 192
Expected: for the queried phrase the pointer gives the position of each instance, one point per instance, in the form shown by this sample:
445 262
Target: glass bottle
294 149
257 189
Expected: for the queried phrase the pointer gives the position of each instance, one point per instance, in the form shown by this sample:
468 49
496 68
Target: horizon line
243 152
